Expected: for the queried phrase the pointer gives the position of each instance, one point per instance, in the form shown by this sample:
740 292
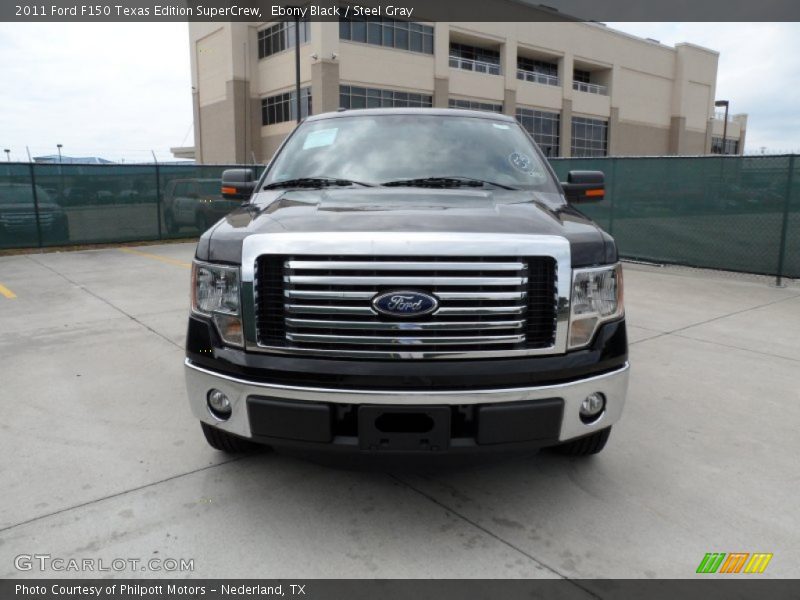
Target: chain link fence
735 213
721 212
48 204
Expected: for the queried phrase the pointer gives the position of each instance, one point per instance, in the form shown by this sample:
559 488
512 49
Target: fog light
219 405
592 407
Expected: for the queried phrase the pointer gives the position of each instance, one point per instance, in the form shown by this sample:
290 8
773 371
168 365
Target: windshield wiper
444 182
313 182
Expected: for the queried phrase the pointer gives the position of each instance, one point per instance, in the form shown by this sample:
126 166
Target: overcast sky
122 90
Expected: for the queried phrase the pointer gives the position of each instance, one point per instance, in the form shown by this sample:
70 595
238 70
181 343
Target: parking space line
166 259
4 291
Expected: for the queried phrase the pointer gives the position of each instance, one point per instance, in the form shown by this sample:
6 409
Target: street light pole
59 146
297 65
726 104
8 154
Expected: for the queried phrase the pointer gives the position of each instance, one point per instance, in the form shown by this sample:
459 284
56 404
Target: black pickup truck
408 281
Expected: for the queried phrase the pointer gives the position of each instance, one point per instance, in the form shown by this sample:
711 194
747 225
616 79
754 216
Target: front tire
226 442
585 446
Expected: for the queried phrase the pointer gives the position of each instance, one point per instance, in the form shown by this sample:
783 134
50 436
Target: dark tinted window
390 33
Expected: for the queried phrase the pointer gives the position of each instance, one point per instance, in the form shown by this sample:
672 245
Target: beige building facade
581 89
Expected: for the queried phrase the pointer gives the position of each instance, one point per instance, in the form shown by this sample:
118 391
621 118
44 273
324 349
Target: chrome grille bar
367 311
404 266
374 340
400 281
405 326
368 295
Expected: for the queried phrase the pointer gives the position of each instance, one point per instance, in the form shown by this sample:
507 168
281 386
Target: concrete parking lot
102 459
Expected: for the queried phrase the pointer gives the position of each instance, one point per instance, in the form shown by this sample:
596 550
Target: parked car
408 281
18 214
195 203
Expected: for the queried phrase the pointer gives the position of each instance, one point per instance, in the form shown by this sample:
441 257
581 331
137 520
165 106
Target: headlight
596 298
215 293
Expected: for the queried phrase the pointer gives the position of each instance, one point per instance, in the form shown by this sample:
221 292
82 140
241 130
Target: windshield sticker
521 162
320 138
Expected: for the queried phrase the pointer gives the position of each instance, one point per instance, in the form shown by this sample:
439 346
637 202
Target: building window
589 137
391 33
281 36
352 97
731 146
472 58
544 128
582 82
475 105
280 108
582 76
537 71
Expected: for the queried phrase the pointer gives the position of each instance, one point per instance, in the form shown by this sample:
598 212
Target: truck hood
408 209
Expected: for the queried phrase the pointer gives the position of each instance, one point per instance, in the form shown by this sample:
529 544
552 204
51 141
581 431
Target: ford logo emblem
405 304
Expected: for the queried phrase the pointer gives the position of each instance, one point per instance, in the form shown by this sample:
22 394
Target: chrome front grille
315 304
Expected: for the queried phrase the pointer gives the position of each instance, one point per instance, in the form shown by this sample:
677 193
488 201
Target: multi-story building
581 89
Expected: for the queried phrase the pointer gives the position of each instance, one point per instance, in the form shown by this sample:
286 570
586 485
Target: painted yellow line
4 291
166 259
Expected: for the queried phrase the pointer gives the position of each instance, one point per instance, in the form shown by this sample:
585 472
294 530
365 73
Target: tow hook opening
404 423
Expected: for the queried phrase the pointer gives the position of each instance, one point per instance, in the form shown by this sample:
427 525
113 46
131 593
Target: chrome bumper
614 385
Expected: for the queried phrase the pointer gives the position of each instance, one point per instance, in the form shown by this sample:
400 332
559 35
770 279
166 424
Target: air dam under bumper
248 399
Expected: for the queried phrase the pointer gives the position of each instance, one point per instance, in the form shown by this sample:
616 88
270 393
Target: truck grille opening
324 303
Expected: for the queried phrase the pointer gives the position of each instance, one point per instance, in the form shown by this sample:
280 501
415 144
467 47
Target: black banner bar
707 587
414 10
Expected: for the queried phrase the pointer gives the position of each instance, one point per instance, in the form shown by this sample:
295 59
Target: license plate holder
404 428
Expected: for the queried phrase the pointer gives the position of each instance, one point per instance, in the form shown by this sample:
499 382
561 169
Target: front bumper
242 392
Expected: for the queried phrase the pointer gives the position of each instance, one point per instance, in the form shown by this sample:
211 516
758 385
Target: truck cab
408 281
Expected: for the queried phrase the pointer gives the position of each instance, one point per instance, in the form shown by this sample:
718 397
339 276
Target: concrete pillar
709 135
325 86
198 130
613 141
441 92
677 135
565 135
566 67
508 62
742 139
510 102
254 135
238 92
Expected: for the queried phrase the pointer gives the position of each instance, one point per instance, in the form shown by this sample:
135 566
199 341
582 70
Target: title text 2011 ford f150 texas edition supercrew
407 281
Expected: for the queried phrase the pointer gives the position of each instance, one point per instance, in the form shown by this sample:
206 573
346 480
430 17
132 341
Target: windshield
380 149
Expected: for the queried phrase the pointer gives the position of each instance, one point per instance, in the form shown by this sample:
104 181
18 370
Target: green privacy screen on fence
54 205
734 213
716 212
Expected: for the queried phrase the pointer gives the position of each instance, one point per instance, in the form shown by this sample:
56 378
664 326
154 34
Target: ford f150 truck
407 281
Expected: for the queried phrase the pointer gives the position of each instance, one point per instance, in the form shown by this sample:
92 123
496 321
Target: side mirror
584 186
238 184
